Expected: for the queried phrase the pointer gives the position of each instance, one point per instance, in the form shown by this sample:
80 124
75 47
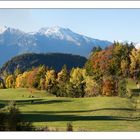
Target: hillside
56 39
86 114
54 60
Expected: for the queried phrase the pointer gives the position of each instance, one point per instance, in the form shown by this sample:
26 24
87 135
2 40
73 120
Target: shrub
11 119
75 91
69 127
2 120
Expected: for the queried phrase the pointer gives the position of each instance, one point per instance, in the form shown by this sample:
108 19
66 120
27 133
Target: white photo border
70 135
70 5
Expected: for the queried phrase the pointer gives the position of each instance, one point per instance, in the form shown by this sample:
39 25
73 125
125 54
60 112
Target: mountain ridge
25 62
46 40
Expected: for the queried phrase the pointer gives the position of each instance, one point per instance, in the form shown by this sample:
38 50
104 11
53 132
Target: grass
131 84
86 114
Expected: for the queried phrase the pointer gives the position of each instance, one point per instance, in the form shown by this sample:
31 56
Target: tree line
104 73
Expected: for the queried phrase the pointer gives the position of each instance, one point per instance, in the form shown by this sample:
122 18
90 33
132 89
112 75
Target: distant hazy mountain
137 45
54 39
25 62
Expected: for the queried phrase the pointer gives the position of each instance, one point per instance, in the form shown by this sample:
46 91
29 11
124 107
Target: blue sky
106 24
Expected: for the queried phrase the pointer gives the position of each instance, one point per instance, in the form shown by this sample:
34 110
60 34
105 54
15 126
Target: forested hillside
104 73
51 60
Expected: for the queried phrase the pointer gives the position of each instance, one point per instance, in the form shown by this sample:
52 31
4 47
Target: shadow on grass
51 101
82 111
58 118
2 105
35 101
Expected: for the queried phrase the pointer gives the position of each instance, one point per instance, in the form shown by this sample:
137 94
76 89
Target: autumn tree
125 68
41 77
109 86
32 79
101 62
122 87
92 88
135 63
88 65
2 84
50 82
62 81
121 52
77 83
21 80
10 81
113 60
42 84
17 71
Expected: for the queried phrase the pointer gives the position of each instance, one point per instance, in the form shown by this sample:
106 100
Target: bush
2 121
75 91
11 120
69 127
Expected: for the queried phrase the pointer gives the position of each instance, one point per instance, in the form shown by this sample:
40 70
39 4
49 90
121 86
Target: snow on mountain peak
137 45
54 31
10 30
60 33
3 29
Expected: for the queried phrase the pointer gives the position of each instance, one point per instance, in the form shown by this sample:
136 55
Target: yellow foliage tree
124 67
77 82
21 80
135 62
50 80
77 76
10 81
92 88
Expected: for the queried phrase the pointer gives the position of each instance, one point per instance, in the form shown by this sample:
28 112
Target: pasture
86 114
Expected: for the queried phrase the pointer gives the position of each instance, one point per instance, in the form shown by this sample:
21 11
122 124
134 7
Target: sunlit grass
86 114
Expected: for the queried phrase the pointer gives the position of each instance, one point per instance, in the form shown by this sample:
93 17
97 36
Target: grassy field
131 84
86 114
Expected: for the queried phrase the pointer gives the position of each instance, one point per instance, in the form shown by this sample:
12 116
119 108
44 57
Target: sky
105 24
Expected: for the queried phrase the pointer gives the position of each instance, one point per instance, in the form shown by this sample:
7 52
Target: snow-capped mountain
53 39
59 33
137 45
3 29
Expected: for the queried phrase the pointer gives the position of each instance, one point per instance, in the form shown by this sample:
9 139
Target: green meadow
85 114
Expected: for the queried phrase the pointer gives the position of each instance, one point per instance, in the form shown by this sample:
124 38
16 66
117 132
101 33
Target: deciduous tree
10 81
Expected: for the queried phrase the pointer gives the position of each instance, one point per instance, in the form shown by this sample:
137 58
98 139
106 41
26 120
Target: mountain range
54 39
